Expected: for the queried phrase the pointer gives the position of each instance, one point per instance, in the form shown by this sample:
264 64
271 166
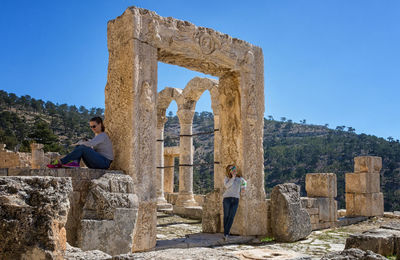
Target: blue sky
333 62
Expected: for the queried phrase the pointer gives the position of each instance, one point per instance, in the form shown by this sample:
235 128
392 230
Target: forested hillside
291 150
25 119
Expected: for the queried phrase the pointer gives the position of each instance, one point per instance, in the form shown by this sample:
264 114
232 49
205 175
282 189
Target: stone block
327 209
380 241
353 254
341 213
33 213
362 182
367 164
307 202
321 185
323 225
212 212
290 222
313 211
314 219
3 171
109 216
366 204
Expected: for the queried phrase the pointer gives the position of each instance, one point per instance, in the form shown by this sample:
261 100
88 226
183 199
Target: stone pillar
185 196
37 156
363 196
161 119
131 117
323 187
241 102
169 173
218 171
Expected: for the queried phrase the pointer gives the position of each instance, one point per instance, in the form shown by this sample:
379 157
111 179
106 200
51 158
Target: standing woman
96 153
234 184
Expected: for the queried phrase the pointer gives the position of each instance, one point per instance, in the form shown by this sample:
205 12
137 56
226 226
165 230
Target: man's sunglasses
93 126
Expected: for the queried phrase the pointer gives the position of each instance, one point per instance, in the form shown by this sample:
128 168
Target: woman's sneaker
55 164
71 164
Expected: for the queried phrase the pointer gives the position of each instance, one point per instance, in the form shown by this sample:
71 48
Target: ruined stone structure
363 196
9 159
320 202
36 159
137 40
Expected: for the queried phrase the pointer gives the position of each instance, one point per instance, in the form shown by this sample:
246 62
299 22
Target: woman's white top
233 186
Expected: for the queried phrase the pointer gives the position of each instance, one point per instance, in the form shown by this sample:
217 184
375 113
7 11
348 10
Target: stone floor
176 233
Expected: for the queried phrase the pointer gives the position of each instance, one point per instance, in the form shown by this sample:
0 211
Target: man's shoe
71 164
55 164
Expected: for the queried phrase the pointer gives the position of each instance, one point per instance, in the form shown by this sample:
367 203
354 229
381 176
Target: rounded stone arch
165 98
195 88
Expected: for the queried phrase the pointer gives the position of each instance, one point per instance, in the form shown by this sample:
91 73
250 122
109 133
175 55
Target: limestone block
33 213
323 225
290 222
366 204
367 164
341 213
211 218
363 182
145 229
109 215
327 209
321 185
380 241
3 171
353 254
314 219
312 211
307 202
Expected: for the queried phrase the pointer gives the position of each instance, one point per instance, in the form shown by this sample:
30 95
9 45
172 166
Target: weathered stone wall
9 159
33 214
36 159
363 196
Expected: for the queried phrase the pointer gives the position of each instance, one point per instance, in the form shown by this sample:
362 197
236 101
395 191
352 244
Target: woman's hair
229 169
99 121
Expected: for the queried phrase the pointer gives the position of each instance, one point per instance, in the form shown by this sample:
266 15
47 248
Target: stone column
169 173
161 119
363 196
37 156
185 196
131 117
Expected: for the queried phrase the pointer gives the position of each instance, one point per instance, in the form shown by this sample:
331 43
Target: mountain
291 150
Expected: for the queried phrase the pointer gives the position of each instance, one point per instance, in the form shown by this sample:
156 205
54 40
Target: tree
351 129
42 134
270 117
283 119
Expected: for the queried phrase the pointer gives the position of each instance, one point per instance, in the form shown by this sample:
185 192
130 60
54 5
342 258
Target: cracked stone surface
318 243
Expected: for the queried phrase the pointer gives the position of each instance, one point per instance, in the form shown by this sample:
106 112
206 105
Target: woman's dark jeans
91 158
230 206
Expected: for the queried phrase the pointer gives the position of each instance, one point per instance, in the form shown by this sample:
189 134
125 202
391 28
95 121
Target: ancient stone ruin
137 40
115 211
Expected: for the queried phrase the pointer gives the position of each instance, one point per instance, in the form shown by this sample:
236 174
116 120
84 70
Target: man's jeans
230 206
91 158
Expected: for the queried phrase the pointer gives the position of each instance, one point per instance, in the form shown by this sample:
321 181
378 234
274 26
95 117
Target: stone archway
186 100
137 40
